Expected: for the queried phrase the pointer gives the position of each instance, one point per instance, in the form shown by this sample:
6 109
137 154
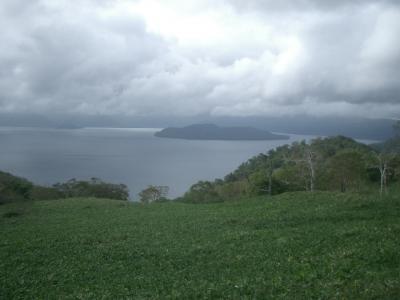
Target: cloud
305 5
157 58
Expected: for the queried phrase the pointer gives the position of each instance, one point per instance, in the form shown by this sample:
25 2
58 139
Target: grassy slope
294 246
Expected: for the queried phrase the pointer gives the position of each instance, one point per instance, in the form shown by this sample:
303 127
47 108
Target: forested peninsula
214 132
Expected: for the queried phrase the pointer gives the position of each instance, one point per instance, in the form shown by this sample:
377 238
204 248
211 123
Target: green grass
293 246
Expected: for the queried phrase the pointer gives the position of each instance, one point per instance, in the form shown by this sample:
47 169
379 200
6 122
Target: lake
131 156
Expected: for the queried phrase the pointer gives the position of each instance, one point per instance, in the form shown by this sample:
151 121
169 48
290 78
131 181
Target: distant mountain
214 132
355 127
390 146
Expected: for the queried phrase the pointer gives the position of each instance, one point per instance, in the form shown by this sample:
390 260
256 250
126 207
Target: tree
272 162
345 169
383 162
93 188
310 159
13 188
269 171
383 165
203 191
227 191
305 156
388 160
153 193
291 177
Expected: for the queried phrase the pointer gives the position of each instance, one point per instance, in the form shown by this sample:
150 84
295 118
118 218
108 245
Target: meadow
292 246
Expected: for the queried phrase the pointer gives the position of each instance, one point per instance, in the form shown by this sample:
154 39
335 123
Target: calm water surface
131 156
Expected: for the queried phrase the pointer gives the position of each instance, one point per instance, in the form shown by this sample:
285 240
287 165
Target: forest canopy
328 164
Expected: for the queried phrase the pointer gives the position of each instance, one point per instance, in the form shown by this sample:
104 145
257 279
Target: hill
291 246
214 132
390 146
326 164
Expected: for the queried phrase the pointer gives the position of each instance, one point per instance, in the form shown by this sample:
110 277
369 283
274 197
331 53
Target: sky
185 58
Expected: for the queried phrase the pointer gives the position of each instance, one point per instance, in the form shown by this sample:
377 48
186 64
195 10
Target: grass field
293 246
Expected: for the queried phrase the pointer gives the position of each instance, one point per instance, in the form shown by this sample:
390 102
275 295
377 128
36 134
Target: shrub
93 188
13 188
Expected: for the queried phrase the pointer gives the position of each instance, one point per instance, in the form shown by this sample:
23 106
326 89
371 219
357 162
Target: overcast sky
192 57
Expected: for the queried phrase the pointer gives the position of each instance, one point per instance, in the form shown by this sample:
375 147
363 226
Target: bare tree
269 172
307 156
310 158
383 164
386 163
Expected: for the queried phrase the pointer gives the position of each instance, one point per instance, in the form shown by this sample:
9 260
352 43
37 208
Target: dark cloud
65 61
235 58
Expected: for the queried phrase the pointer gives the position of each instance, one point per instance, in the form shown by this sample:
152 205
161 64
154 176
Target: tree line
16 189
324 164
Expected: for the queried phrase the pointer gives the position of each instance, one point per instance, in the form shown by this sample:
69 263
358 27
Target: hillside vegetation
17 189
329 164
291 246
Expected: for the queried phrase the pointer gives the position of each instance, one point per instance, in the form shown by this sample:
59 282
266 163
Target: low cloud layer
186 58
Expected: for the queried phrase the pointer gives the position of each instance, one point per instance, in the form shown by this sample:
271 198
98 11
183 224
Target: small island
214 132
